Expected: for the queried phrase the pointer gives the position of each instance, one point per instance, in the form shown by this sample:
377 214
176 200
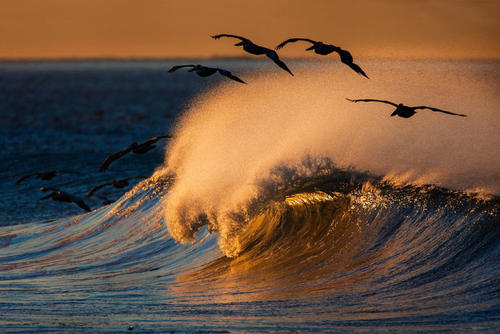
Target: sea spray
232 138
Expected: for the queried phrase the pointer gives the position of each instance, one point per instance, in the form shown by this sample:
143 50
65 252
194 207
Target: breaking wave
283 203
233 139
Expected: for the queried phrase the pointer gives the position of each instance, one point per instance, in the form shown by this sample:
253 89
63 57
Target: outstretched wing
357 69
439 110
78 201
175 68
112 157
47 196
22 178
293 40
95 188
373 100
155 139
346 58
274 57
229 75
163 136
228 35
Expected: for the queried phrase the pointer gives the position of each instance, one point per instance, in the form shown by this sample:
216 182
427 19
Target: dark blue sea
278 206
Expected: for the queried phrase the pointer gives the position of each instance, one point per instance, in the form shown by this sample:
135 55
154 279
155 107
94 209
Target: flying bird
45 175
405 111
61 196
115 183
137 148
324 49
204 71
255 49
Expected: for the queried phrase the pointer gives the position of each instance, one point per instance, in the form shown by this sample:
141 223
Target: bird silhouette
325 49
406 111
137 148
45 175
115 183
255 49
61 196
204 71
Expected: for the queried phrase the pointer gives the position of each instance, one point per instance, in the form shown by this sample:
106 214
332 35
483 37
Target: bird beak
191 70
310 48
394 113
238 44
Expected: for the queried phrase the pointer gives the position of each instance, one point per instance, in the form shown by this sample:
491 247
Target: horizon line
243 57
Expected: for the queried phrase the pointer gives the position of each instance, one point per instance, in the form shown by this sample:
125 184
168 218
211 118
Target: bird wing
22 178
112 157
78 201
95 188
154 140
229 75
228 35
47 196
274 57
357 69
439 110
292 40
373 100
346 58
165 136
53 191
175 68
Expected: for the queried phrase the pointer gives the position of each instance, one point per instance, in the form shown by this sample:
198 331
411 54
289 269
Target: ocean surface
277 207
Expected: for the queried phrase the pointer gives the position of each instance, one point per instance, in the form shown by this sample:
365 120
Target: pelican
46 175
204 71
115 183
136 148
405 111
255 49
324 49
61 196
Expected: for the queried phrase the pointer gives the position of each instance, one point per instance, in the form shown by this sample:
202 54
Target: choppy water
279 207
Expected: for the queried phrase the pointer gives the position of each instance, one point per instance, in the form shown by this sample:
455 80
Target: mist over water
233 136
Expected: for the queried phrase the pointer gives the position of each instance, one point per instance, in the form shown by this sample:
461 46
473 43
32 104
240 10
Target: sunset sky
168 28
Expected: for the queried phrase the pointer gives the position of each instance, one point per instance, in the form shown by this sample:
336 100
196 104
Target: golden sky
168 28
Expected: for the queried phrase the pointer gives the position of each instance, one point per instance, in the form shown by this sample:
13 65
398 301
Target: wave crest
233 140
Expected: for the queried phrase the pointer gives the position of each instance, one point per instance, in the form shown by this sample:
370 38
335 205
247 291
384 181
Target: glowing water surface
283 207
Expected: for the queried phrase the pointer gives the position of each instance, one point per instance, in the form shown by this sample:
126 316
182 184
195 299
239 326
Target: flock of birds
252 48
319 48
62 196
205 71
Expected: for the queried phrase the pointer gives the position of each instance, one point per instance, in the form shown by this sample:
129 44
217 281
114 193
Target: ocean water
277 207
